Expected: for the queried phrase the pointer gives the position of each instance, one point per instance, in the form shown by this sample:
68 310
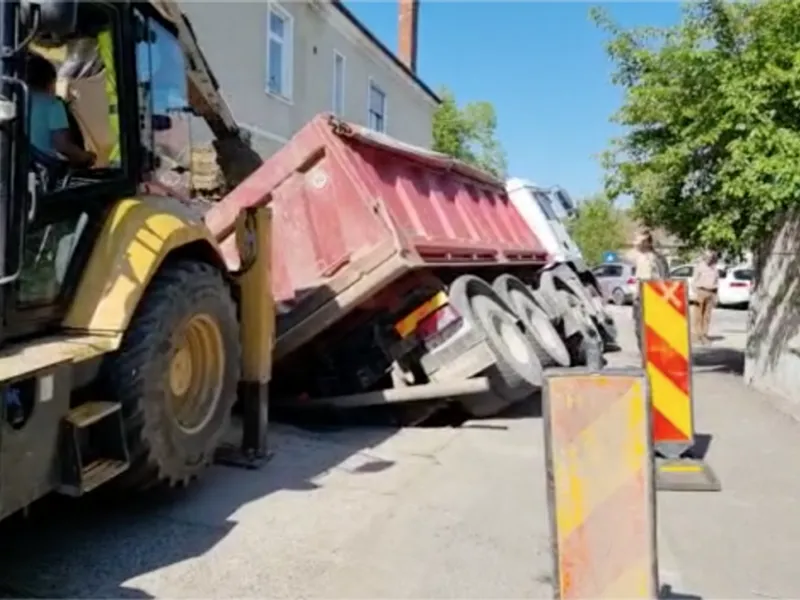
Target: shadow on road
667 593
718 360
89 547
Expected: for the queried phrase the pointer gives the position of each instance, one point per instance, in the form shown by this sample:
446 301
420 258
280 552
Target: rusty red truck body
395 266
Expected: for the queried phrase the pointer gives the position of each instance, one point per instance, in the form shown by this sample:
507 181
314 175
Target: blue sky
542 65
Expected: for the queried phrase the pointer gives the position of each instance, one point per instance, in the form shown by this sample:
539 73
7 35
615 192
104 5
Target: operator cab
121 79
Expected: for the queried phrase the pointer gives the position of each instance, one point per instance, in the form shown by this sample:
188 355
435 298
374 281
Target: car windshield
743 274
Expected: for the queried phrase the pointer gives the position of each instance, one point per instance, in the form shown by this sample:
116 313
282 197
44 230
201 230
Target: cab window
544 203
164 105
78 161
74 120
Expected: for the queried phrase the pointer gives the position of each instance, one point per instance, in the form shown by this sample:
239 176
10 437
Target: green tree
597 227
469 133
711 113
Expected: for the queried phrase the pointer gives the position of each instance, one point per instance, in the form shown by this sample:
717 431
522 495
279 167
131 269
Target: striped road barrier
667 360
601 496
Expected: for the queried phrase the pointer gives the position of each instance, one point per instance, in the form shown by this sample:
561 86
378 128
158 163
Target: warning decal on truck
408 324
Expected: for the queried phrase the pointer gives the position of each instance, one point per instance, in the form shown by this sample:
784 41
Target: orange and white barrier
601 495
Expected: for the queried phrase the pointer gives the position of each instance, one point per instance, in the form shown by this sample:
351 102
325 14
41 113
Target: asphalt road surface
425 513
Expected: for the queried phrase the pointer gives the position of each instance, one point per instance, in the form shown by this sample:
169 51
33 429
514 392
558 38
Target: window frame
545 204
286 94
372 84
339 95
95 200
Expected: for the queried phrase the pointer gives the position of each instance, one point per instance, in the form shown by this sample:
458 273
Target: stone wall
772 355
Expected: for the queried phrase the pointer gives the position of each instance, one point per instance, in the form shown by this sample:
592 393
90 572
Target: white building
280 63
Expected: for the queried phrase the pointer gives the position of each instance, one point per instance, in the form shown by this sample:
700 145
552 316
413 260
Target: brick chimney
408 23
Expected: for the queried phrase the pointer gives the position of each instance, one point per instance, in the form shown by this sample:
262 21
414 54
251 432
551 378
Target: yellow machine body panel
137 236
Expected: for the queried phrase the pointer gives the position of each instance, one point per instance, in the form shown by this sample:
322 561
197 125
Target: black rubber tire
564 278
580 329
511 379
544 337
137 375
618 297
603 321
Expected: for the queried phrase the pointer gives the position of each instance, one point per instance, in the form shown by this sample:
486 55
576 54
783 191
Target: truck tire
604 322
176 374
517 372
564 278
581 334
545 339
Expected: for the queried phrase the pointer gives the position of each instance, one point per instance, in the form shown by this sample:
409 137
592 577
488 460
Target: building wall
316 32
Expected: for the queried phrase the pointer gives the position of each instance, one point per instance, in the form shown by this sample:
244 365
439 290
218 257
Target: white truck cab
544 210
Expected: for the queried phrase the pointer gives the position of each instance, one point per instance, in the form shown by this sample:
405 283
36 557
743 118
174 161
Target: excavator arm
235 157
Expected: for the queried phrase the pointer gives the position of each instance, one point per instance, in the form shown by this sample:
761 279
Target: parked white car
734 283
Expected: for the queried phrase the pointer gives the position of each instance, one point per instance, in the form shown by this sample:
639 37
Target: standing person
649 265
705 282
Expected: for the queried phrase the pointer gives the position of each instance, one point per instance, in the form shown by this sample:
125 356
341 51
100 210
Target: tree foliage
597 227
711 149
469 133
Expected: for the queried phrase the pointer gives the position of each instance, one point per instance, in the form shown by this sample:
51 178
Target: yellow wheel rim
196 372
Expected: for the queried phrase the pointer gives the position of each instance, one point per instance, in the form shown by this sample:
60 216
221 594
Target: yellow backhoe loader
126 332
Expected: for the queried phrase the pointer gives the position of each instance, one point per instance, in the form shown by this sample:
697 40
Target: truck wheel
604 322
580 330
545 339
562 278
517 372
176 374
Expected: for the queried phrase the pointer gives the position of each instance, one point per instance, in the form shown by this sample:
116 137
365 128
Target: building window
376 106
279 52
338 84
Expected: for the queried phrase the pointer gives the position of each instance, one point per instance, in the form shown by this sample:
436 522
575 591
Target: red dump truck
402 274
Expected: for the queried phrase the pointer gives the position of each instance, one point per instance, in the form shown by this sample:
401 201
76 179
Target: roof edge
339 5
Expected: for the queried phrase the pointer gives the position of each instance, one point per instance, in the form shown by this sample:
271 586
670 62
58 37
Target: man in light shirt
705 281
649 265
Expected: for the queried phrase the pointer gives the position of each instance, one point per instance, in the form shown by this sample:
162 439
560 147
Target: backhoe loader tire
517 372
187 317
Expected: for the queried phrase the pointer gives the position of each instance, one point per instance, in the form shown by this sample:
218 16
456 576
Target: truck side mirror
55 17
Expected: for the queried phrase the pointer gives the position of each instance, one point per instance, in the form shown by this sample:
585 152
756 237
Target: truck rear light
437 321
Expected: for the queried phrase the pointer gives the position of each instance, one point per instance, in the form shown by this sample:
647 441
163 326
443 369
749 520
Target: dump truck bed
353 210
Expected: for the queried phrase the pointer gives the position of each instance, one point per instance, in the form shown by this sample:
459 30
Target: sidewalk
741 542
